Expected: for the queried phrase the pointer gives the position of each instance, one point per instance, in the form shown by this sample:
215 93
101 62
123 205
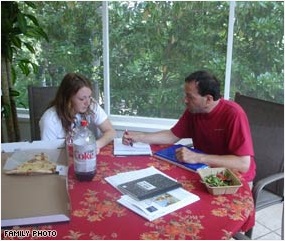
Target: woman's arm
108 134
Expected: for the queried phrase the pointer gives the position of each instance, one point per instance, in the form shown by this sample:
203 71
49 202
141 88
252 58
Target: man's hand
183 154
127 139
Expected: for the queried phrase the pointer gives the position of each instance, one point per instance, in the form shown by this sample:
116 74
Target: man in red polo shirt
218 127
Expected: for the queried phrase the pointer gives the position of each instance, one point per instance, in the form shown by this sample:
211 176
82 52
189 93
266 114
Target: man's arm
239 163
160 137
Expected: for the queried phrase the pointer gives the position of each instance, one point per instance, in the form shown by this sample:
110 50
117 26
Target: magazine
160 205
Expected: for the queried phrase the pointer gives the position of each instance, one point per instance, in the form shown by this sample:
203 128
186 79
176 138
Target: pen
131 142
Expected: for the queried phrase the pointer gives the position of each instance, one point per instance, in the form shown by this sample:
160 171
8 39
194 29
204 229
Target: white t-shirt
51 127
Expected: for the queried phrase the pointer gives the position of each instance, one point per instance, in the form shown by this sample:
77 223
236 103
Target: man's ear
209 99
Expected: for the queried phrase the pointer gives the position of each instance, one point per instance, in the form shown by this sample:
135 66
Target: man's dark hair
208 84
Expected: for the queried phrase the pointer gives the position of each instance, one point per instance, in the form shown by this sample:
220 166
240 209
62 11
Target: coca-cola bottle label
84 158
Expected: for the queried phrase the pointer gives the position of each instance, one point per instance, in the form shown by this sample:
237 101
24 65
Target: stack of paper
157 206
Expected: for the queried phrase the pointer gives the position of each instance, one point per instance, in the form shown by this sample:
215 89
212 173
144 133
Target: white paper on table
124 177
157 206
160 205
138 148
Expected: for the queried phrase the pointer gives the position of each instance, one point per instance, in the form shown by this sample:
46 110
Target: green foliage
258 68
155 45
75 34
15 26
17 29
160 44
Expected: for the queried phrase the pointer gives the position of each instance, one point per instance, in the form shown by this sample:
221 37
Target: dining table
96 214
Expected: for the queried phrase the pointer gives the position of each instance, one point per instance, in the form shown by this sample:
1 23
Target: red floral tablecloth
95 213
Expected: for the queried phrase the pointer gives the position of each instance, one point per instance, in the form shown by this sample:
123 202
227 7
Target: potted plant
17 27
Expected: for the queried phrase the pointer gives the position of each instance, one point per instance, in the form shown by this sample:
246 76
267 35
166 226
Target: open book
157 206
138 148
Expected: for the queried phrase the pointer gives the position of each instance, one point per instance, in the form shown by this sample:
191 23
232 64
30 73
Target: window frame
148 124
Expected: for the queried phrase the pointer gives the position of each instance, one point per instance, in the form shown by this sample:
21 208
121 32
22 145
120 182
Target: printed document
157 206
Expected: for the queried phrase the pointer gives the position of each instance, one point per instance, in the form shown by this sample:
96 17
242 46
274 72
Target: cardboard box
36 199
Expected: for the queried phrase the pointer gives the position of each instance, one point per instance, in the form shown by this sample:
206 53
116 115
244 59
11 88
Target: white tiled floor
268 223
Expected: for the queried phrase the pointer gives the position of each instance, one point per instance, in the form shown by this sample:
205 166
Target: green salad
218 180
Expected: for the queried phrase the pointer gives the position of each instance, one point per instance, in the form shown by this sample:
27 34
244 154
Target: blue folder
168 154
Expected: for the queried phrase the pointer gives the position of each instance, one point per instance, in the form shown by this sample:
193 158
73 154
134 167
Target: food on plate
40 164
